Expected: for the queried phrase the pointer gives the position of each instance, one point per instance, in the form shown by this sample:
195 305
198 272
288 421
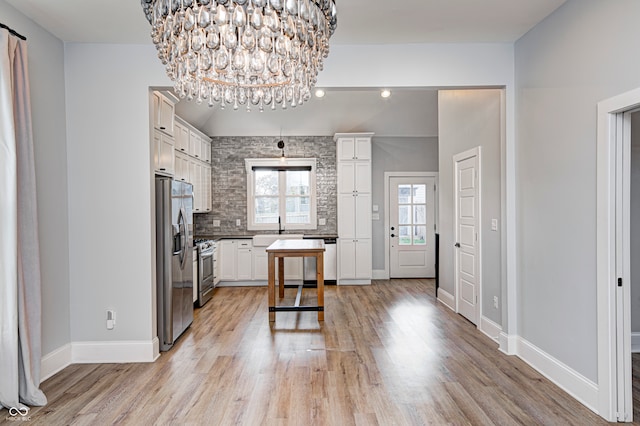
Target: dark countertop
250 236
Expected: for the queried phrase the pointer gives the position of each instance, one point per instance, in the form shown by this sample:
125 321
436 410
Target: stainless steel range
206 270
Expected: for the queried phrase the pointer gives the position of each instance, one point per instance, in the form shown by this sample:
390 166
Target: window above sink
281 194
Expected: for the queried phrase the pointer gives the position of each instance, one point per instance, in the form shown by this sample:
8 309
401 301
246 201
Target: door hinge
619 282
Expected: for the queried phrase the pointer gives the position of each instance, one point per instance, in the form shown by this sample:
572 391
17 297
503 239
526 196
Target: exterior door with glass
412 227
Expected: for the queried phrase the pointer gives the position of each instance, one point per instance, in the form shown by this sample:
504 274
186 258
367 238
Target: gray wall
46 77
583 53
400 154
635 222
229 179
466 119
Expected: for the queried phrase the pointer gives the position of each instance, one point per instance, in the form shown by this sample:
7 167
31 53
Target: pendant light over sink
253 53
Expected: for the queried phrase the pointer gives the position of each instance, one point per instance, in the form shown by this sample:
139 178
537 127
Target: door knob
393 235
457 245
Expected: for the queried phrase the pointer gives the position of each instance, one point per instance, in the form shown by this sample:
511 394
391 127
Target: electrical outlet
322 221
216 223
238 222
111 319
495 302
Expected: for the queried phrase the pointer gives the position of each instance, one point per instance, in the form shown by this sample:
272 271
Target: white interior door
467 221
412 227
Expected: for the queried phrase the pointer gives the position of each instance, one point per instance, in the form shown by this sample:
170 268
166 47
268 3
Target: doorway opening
614 262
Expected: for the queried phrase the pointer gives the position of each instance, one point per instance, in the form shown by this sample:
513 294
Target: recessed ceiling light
385 93
320 93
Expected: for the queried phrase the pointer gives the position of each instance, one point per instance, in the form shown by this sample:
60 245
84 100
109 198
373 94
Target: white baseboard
256 283
446 299
508 344
572 382
380 274
354 282
114 352
635 342
97 352
55 361
490 328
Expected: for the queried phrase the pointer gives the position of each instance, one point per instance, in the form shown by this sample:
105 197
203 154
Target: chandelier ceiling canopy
242 52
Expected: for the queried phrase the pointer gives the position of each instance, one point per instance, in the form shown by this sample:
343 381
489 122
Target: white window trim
278 162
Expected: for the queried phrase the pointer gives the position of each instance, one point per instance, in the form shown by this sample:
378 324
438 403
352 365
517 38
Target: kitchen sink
265 240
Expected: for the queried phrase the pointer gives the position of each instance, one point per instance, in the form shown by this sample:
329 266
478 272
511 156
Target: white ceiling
359 22
407 113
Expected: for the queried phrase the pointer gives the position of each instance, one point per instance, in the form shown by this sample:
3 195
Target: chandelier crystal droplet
242 52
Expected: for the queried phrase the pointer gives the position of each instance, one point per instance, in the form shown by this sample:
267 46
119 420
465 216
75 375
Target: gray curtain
20 300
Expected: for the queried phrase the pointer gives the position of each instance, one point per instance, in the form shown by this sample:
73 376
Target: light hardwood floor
386 354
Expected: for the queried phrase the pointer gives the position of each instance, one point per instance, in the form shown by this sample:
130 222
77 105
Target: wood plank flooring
386 354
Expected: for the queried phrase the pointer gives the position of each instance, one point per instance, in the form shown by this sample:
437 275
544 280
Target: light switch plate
494 224
216 223
238 223
375 216
376 208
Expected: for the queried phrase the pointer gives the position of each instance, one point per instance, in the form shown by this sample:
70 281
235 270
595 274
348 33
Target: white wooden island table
294 248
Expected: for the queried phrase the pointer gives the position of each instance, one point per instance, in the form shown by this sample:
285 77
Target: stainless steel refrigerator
174 259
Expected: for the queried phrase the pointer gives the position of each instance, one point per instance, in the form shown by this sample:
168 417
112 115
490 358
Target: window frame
278 163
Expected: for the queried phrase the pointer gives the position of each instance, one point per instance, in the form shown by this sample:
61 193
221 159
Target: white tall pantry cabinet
354 207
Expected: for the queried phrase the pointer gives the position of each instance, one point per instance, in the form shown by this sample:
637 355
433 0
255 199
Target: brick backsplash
229 179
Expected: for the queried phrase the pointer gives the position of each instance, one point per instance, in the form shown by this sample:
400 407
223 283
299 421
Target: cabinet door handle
163 128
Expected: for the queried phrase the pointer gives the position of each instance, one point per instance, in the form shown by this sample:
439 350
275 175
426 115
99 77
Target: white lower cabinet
195 275
355 259
292 266
227 267
235 260
244 260
260 263
239 261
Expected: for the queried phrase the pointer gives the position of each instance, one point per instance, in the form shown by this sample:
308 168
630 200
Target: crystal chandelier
242 52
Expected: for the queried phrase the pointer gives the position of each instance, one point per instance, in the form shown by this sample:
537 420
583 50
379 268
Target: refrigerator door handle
183 236
177 243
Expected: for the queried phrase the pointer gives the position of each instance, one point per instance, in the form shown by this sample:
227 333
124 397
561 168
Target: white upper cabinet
354 147
163 153
195 146
163 112
205 144
182 137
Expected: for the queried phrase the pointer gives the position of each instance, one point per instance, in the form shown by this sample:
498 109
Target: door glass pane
267 210
419 235
404 237
420 215
404 215
266 182
404 194
419 194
